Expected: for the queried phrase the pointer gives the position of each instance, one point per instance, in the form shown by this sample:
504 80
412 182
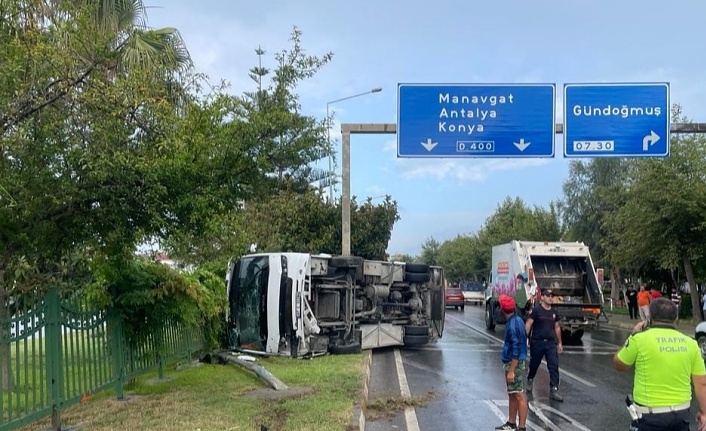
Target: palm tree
136 43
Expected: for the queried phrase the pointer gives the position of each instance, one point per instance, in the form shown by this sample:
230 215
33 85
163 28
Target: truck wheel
413 277
345 349
415 340
417 268
416 330
489 319
346 261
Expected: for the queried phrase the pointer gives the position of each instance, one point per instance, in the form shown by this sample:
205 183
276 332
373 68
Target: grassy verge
225 397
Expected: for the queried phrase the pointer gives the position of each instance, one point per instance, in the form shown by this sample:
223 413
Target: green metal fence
56 350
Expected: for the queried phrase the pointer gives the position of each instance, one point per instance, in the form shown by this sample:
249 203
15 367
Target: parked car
473 292
454 297
700 335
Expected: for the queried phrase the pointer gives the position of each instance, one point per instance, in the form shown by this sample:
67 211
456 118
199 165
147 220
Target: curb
361 405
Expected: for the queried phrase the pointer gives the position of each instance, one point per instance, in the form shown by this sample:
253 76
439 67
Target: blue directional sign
616 120
475 120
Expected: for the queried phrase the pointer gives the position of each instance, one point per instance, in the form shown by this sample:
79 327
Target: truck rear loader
521 269
300 304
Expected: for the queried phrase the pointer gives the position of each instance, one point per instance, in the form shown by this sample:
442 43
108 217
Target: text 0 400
475 146
594 145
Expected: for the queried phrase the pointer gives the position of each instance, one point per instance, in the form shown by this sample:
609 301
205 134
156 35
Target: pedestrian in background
666 363
675 297
514 358
632 302
542 327
643 301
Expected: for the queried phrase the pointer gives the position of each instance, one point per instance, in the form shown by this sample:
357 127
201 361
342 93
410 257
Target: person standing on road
544 331
675 296
514 357
666 363
643 301
632 302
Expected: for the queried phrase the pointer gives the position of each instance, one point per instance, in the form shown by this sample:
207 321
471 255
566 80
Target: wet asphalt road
462 376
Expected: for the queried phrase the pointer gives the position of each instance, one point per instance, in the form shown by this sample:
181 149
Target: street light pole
328 133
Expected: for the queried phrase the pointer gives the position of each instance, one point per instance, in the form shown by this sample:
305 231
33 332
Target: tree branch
26 109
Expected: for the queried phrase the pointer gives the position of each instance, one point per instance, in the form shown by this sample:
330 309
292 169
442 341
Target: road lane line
572 375
543 407
410 415
494 407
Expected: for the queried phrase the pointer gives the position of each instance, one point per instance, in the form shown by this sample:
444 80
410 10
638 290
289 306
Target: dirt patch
389 407
271 394
126 400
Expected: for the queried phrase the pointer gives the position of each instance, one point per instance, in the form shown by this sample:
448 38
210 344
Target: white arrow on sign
522 144
649 140
429 145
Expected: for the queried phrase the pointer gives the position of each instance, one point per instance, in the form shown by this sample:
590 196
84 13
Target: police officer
542 326
666 363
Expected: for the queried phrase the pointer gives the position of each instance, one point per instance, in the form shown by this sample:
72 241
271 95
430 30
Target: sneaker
507 426
529 385
554 394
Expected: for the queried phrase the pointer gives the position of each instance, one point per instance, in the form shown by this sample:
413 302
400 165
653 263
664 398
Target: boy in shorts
514 358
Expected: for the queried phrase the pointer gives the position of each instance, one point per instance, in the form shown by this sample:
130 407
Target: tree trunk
695 303
6 378
615 286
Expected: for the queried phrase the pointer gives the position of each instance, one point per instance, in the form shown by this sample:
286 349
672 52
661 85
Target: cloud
376 190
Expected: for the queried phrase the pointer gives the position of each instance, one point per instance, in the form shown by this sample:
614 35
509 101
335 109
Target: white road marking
410 415
538 409
563 372
494 407
543 407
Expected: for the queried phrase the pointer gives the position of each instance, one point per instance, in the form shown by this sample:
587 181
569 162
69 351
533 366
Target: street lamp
328 133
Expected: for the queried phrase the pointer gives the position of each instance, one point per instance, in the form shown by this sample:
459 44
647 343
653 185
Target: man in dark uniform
542 327
632 302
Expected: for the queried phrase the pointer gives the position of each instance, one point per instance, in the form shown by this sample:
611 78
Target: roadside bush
148 295
212 306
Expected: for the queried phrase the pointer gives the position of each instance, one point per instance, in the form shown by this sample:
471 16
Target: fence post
160 352
116 336
52 338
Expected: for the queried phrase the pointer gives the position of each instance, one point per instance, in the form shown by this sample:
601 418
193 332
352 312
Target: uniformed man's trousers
544 348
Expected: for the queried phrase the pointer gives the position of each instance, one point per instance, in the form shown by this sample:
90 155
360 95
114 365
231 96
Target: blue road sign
475 120
616 120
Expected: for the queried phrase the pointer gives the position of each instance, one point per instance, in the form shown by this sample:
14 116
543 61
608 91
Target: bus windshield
248 301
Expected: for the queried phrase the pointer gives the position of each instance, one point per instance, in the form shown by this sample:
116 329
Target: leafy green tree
593 192
461 258
304 222
79 121
663 217
256 149
513 220
430 251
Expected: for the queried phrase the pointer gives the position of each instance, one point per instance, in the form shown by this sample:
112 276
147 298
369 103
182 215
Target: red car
454 297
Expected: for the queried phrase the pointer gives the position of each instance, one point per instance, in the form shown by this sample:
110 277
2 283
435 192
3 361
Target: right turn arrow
649 140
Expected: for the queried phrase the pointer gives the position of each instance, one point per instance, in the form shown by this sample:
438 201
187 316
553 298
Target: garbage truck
521 269
303 305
